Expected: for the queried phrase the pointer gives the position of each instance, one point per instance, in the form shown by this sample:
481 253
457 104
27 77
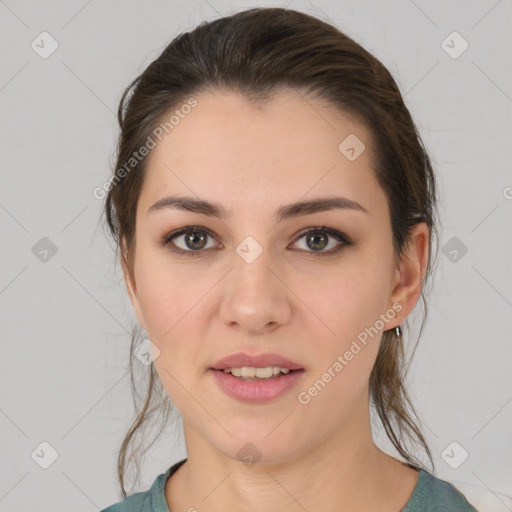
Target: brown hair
258 52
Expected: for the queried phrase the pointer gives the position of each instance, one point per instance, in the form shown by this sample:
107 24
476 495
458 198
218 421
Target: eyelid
335 233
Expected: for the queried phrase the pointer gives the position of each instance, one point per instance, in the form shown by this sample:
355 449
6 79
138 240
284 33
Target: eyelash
338 235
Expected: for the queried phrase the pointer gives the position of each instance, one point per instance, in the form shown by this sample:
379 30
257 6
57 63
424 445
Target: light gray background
65 322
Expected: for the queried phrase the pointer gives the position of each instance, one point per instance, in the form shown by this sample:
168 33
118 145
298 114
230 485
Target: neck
345 472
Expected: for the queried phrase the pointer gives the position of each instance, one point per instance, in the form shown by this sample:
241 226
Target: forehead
227 148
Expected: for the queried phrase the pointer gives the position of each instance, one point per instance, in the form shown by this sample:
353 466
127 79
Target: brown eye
194 240
317 239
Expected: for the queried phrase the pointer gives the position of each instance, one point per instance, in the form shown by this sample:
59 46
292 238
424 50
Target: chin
252 454
259 450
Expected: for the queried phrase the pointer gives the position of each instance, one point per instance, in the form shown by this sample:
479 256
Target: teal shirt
430 495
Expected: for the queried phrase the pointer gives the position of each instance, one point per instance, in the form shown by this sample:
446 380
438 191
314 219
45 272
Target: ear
131 288
410 272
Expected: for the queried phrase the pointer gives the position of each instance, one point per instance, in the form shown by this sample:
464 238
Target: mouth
256 378
256 384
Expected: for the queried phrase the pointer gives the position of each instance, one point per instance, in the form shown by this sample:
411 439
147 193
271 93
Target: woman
274 209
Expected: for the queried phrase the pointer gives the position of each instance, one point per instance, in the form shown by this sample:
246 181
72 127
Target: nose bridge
253 268
252 274
254 297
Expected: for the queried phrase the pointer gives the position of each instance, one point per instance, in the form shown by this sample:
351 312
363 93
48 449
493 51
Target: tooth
248 371
263 373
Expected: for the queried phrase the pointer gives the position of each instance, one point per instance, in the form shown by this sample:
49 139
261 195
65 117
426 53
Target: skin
320 456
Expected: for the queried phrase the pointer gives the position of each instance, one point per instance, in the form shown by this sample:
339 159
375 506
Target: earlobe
410 272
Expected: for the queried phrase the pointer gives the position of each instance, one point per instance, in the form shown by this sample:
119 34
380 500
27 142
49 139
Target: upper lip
256 361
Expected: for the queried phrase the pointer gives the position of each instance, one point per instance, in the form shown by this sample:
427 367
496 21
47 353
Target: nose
255 298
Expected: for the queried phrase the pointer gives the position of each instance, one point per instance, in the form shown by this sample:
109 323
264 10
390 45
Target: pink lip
256 391
255 361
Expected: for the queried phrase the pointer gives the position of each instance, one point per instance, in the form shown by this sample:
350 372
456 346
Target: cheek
333 396
167 293
350 304
348 299
170 301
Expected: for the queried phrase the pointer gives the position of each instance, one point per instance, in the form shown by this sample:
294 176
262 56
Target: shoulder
432 494
148 501
446 497
134 503
141 501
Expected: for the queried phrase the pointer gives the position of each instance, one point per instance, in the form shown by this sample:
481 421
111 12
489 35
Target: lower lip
256 391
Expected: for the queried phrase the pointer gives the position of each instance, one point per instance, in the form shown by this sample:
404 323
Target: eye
195 239
317 238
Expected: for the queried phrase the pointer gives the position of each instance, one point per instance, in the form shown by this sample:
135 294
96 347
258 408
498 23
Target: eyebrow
288 211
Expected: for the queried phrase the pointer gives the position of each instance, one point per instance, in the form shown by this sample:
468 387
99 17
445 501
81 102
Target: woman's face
256 282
